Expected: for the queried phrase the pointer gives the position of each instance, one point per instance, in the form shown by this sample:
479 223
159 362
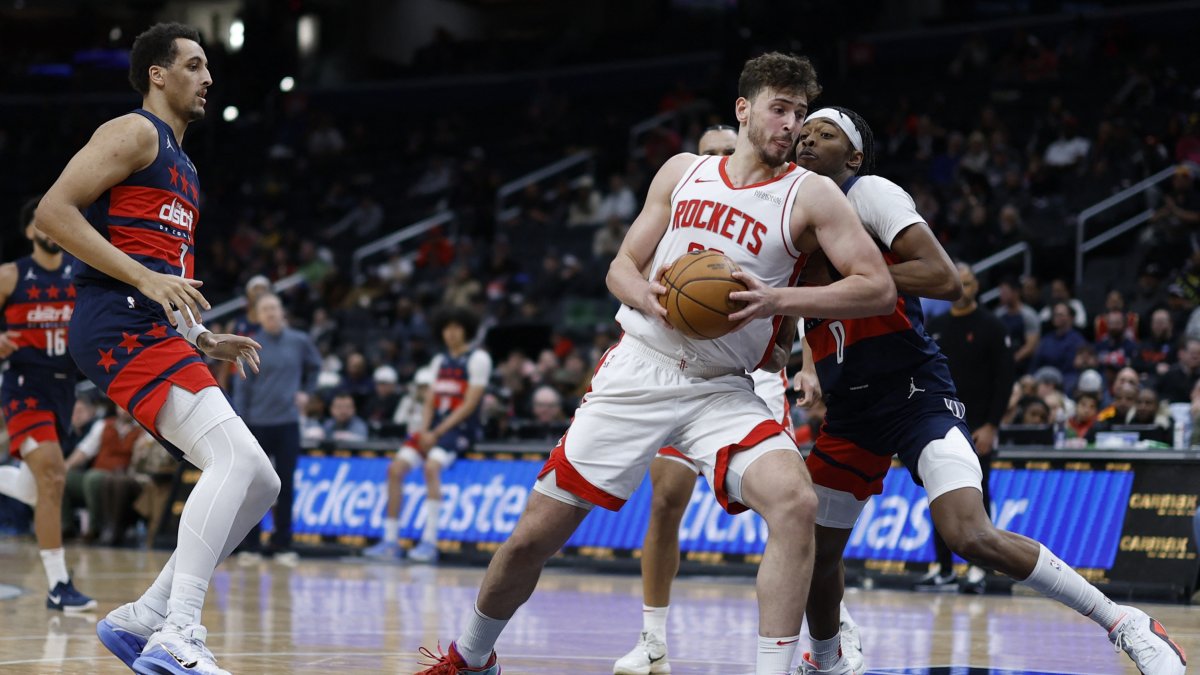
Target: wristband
192 333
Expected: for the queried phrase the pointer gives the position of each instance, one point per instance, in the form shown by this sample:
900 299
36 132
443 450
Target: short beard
761 144
195 114
47 246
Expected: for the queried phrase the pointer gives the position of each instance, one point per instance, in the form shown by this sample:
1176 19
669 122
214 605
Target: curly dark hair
463 317
868 138
156 47
782 72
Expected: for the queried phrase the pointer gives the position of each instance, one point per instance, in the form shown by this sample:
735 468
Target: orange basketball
697 298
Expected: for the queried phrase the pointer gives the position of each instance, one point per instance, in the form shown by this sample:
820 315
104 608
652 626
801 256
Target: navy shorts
37 405
123 343
861 434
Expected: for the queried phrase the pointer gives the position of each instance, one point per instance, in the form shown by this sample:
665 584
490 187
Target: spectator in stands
1124 401
607 240
584 207
1148 409
619 202
142 490
1020 323
343 424
549 422
1176 219
107 449
357 380
1069 149
1115 302
1150 293
1060 291
1058 347
381 408
462 288
271 401
1176 385
1079 426
1116 348
1031 293
1156 353
1033 410
410 411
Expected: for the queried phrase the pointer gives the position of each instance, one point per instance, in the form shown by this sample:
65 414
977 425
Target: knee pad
186 417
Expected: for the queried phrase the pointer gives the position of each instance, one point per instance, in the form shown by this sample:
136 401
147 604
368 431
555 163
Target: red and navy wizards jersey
151 215
39 310
851 355
452 377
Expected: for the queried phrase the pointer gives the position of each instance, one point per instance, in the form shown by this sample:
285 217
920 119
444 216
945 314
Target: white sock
1056 580
187 599
152 606
478 640
55 562
18 482
654 621
433 513
391 530
825 653
775 655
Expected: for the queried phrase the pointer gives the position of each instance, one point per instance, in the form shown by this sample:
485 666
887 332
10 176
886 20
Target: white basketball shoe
648 657
1147 643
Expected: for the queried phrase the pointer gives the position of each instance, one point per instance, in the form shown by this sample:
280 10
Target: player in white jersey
656 387
862 430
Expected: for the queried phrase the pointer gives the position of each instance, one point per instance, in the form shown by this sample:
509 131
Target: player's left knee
792 506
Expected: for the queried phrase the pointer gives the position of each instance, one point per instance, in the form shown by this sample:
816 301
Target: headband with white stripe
844 123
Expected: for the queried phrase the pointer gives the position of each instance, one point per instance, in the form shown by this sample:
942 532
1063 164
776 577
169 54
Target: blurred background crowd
493 157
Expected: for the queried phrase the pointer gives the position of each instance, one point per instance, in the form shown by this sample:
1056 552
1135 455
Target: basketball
697 298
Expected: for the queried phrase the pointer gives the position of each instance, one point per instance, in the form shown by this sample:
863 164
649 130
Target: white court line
332 655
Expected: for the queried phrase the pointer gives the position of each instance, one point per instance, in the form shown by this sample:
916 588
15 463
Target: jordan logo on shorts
912 387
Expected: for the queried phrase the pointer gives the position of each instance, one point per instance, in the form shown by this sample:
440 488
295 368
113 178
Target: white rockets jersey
750 225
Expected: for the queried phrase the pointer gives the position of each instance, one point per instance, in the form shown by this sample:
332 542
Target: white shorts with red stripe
770 387
642 400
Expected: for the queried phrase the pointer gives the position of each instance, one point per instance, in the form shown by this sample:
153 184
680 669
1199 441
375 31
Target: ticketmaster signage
1078 514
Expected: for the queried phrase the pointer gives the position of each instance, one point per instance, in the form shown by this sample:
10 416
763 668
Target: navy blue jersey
40 309
449 391
854 356
152 215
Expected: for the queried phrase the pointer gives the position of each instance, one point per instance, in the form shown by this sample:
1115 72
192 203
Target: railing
640 129
1019 249
584 158
1084 246
228 307
384 243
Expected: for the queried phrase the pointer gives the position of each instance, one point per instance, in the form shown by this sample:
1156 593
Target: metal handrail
537 176
1082 246
232 305
1018 249
384 243
639 128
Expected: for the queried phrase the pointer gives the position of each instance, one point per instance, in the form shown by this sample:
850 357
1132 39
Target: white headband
844 123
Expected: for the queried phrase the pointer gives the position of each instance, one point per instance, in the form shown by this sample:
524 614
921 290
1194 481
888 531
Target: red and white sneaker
1147 643
451 663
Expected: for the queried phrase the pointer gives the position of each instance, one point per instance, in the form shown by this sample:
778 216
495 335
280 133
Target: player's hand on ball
8 343
174 293
653 302
759 298
235 349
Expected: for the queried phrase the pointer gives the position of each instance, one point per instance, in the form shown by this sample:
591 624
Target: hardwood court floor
349 616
